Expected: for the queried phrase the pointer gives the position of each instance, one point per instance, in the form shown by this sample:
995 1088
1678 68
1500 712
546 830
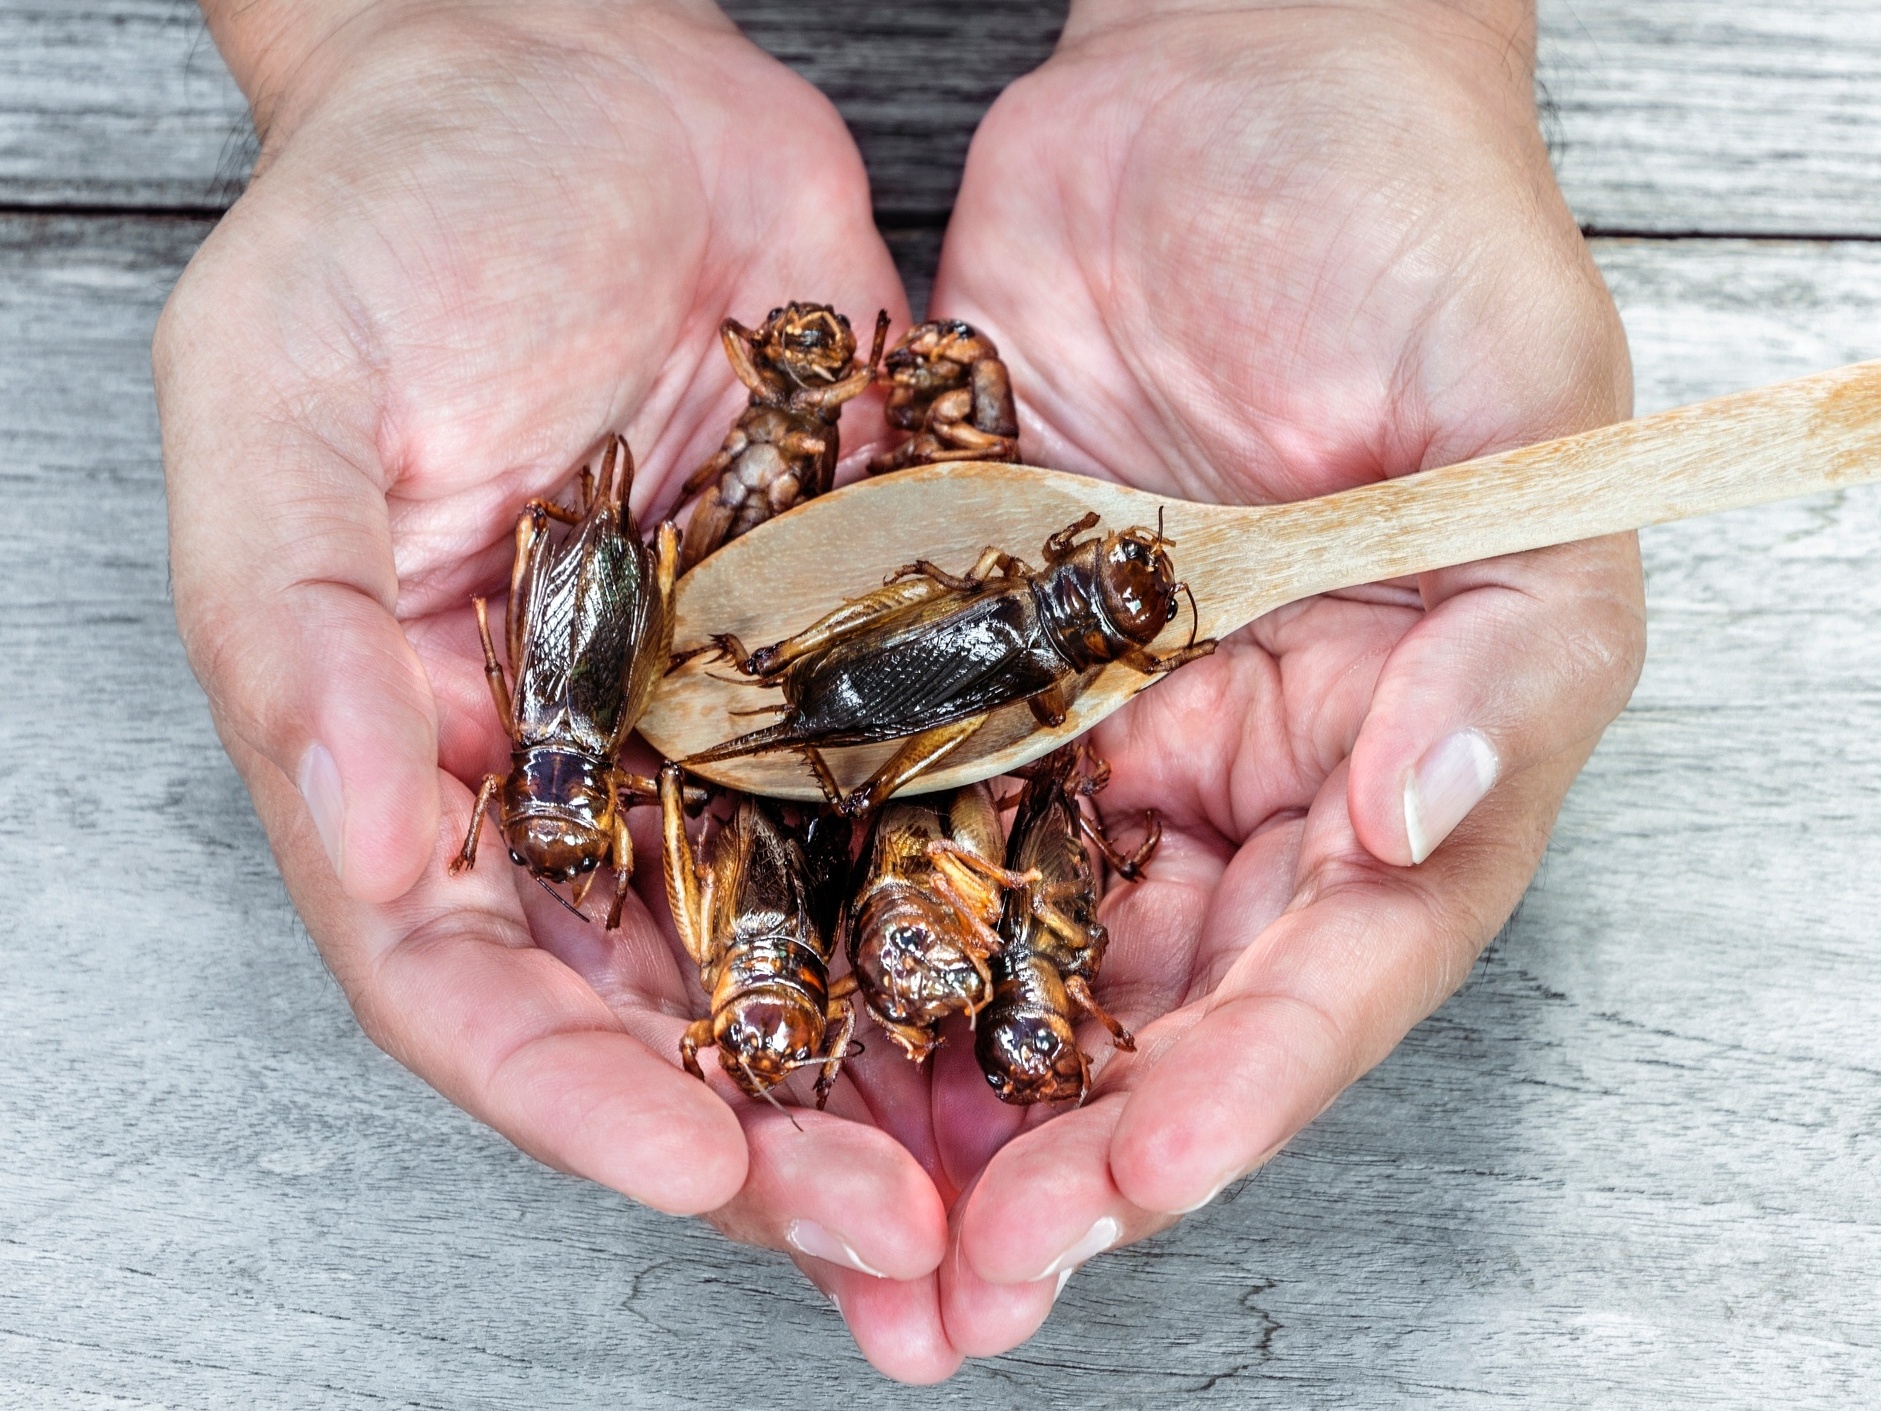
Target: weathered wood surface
1708 116
1635 1158
1634 1161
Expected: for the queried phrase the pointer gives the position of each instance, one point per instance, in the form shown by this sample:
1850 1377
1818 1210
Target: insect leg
493 670
467 855
1048 707
560 513
698 1035
856 615
739 341
1150 664
623 851
842 1013
918 754
704 475
683 893
948 854
1059 544
825 780
1129 868
1080 990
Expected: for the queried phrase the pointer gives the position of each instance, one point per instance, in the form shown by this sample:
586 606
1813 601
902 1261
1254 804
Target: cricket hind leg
698 1035
1127 866
917 755
841 1013
493 670
1080 990
467 855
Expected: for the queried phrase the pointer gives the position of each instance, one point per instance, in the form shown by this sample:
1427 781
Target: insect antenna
765 1092
543 882
1195 614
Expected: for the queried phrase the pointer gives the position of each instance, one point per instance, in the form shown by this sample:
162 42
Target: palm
457 308
1203 291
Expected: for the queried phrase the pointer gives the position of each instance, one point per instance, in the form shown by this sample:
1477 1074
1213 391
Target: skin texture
1239 253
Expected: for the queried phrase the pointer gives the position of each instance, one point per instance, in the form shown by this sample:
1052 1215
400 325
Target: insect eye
515 857
590 862
1043 1042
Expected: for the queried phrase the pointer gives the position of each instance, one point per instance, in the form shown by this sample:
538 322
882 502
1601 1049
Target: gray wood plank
1717 116
1708 116
1633 1159
116 103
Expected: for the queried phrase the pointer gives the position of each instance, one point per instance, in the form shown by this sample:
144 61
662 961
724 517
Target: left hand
1258 255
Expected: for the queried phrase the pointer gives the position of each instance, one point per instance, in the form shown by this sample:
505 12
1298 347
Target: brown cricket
590 633
949 387
924 916
1051 942
754 907
799 366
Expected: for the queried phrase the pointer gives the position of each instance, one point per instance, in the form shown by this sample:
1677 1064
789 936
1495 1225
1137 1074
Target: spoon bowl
1795 438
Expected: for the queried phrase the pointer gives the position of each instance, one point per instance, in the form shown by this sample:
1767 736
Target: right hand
479 237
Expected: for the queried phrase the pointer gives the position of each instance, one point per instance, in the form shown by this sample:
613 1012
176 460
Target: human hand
1257 253
480 236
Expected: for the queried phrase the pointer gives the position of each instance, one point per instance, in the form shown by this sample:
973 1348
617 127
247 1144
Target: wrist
1490 35
283 53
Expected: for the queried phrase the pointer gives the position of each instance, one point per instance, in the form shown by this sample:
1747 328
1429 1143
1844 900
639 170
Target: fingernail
1064 1277
1220 1186
1097 1239
319 782
1445 785
808 1237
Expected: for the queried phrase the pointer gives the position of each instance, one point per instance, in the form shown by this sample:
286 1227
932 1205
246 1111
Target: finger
284 589
1045 1206
447 982
1517 660
896 1324
1324 992
839 1191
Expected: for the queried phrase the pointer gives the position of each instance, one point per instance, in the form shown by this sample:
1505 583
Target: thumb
1518 660
284 585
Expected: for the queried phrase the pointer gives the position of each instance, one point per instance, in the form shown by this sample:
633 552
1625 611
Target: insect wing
929 665
613 603
542 670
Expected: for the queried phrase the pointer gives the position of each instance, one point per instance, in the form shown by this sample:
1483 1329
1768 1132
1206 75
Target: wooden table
1633 1162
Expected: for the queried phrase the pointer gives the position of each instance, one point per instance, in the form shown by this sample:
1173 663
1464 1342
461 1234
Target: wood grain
1632 1160
1703 116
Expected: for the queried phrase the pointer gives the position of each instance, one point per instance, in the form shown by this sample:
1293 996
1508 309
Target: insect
590 634
800 368
753 909
923 918
949 387
927 657
1052 943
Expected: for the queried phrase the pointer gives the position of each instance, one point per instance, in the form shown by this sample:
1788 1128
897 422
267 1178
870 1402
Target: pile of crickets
939 909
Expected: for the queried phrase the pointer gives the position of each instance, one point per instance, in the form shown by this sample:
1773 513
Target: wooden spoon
1795 438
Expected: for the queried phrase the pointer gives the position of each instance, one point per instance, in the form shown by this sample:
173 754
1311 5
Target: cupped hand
1259 253
481 236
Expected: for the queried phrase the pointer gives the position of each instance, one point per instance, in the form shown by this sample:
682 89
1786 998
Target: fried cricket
949 387
799 366
1051 942
927 657
590 632
924 917
750 908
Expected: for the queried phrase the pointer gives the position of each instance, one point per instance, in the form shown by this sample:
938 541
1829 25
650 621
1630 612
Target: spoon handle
1795 438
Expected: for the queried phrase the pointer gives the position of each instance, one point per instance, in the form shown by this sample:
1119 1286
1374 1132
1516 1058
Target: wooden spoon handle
1794 438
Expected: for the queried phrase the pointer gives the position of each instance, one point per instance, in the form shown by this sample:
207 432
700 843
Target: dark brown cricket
926 658
949 387
1051 942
